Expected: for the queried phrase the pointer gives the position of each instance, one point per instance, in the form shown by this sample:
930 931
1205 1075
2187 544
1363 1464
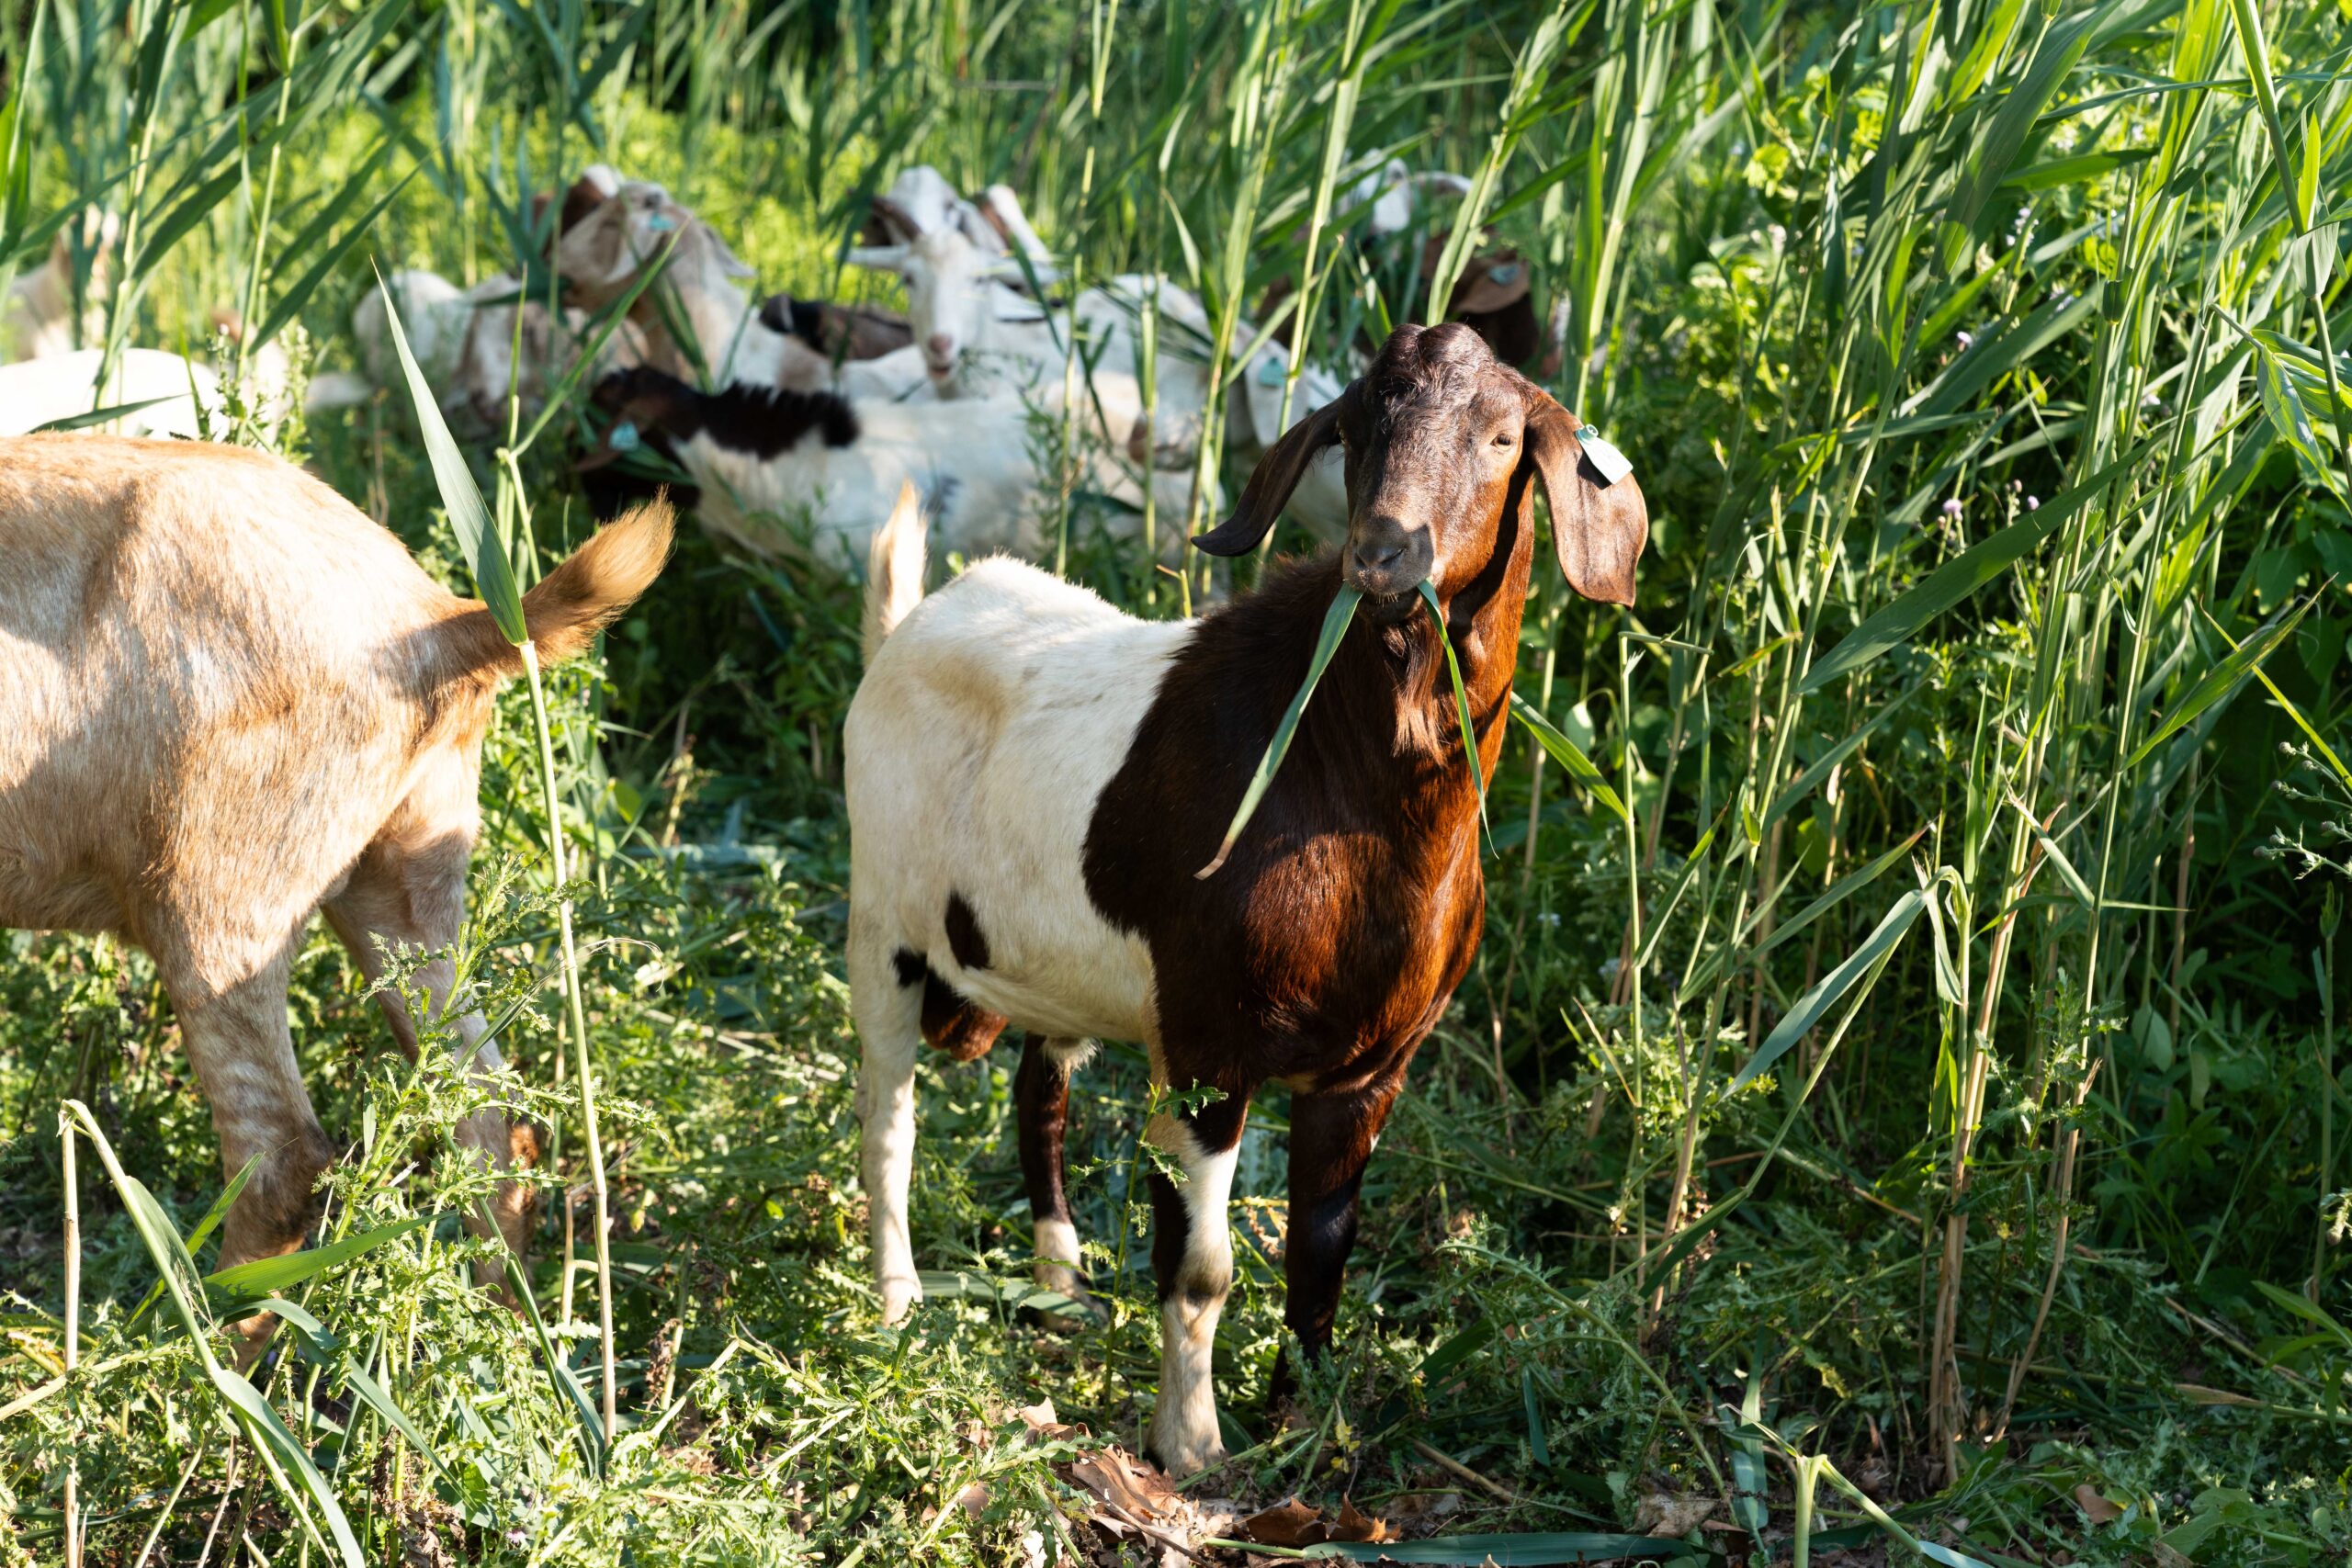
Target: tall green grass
1903 1054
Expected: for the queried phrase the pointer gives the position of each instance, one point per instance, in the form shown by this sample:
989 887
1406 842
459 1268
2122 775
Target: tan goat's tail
894 563
565 609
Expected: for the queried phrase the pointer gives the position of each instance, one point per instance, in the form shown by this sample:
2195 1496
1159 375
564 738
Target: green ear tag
1611 463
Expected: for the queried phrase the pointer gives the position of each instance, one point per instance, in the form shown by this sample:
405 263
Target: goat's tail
565 609
894 563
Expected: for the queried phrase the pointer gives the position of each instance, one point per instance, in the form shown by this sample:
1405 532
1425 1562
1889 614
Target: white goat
37 392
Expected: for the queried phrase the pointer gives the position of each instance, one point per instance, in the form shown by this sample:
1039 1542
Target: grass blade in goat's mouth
1461 704
1335 624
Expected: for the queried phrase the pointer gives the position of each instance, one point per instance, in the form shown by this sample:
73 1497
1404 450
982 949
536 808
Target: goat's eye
1503 439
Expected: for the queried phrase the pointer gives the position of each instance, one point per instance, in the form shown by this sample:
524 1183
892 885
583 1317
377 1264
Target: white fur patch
1184 1426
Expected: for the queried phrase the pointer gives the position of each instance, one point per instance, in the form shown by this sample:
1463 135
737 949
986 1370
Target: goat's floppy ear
1271 483
1598 527
881 258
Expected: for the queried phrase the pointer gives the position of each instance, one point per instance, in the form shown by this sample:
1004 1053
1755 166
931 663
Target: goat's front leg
409 891
887 1007
1192 1257
1331 1137
1041 1103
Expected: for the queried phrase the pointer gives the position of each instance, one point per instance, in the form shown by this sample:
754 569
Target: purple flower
1951 506
2033 503
1967 341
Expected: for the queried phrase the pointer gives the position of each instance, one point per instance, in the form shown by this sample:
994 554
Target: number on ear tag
1611 463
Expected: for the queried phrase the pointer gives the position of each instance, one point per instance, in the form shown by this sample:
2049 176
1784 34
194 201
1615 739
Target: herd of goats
751 411
230 701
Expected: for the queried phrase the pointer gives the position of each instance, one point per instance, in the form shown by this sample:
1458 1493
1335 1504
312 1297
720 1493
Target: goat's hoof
1180 1454
899 1297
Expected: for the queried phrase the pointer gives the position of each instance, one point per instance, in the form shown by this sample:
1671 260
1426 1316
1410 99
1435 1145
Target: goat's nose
939 345
1377 556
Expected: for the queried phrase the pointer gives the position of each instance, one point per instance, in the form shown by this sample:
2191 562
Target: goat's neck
1481 621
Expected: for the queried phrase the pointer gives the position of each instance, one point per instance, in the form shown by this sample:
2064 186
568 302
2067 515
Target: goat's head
1441 443
954 290
608 239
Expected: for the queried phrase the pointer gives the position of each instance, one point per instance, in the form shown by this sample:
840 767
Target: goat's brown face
1441 441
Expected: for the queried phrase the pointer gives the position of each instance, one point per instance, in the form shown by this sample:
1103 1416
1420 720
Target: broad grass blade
477 537
1832 986
1996 152
294 296
1957 579
1335 626
1568 754
273 1276
284 1454
101 416
2224 677
1461 702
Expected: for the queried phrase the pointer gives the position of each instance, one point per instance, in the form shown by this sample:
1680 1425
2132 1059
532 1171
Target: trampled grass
1897 1101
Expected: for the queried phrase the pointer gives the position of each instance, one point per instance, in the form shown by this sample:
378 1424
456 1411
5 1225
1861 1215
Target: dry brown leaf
2098 1509
1045 1427
973 1499
1289 1523
1114 1476
1356 1525
1671 1513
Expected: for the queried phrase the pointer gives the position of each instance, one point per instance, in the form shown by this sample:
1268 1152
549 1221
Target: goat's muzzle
1386 562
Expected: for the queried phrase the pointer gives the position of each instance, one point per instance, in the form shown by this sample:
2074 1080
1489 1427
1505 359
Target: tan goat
228 700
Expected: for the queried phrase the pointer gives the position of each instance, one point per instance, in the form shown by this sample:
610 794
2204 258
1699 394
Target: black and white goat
775 470
1035 780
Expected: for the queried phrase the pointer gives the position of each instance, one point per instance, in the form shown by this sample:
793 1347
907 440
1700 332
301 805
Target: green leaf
373 1395
1461 702
311 241
1565 753
1335 626
478 538
567 1384
1539 1549
1995 150
2224 677
268 1433
1957 579
102 416
1832 986
2057 858
2255 49
1808 780
247 1282
1844 887
2074 169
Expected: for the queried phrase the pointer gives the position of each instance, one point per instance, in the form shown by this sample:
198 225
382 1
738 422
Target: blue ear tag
1610 462
1505 274
661 222
1271 370
623 436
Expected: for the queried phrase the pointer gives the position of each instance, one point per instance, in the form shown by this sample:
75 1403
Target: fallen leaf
1114 1476
1356 1525
973 1499
2098 1509
1289 1523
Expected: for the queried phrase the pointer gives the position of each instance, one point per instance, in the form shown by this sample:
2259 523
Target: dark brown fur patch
964 937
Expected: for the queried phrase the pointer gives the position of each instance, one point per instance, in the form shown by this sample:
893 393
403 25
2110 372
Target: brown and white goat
1035 780
228 700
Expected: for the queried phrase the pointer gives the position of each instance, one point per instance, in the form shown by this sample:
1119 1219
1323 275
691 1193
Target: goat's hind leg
409 891
1191 1258
1041 1104
886 998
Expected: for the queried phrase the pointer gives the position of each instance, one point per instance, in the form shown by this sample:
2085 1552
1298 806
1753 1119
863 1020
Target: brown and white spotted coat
1035 780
